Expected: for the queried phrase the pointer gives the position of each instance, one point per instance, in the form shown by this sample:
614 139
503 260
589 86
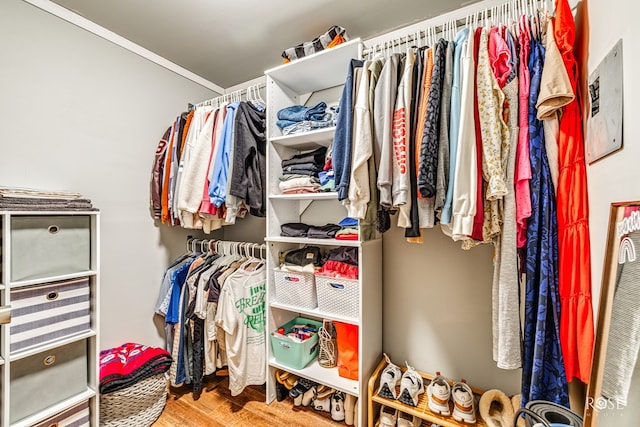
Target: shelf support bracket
304 205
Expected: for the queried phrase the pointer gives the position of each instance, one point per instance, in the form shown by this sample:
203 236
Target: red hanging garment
576 310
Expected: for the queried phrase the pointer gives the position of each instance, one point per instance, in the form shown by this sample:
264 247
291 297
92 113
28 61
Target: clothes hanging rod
226 247
449 24
231 96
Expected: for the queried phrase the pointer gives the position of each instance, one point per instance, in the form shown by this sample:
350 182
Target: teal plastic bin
295 355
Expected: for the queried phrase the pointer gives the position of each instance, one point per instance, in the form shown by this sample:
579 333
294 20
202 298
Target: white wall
437 309
616 177
82 114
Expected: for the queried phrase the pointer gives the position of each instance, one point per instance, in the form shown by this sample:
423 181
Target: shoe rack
421 411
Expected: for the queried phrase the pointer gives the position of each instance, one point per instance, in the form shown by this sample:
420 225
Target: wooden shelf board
306 140
43 280
315 312
326 376
327 68
308 241
329 195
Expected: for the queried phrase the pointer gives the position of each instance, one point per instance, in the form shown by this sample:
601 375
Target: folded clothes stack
299 118
124 366
300 172
302 260
349 229
332 37
28 199
341 262
299 229
327 176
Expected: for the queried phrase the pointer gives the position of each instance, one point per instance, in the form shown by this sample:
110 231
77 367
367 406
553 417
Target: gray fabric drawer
49 312
78 416
44 379
45 246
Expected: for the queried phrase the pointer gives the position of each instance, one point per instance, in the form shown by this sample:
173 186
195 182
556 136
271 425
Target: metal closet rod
226 247
508 11
251 93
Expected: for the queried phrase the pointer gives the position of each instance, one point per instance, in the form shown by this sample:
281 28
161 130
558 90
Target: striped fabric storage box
49 312
78 416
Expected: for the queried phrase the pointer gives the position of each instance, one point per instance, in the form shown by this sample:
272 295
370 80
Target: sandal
464 407
439 392
389 380
411 387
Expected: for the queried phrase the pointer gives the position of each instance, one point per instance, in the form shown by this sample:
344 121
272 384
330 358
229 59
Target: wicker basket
138 405
294 288
338 296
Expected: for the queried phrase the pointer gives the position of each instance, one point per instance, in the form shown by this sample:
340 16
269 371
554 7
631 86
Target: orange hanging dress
576 310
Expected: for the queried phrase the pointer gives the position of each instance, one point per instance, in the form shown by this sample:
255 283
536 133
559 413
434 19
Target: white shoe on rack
388 417
464 405
389 379
337 406
406 420
322 401
438 393
411 387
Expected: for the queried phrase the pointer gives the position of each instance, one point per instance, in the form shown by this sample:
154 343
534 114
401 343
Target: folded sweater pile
126 365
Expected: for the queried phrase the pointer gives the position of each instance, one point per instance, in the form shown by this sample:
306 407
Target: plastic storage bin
295 355
297 289
338 296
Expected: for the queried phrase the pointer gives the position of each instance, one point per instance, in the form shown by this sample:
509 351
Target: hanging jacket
384 103
156 175
218 184
343 136
249 168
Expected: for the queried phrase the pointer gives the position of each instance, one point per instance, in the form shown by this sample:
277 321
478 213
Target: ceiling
231 42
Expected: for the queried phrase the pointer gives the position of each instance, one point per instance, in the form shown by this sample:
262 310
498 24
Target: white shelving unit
319 75
86 339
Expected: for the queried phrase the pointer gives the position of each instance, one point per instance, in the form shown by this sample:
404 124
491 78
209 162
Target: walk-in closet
359 213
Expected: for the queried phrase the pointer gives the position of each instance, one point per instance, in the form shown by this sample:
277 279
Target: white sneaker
411 387
388 417
337 406
464 406
406 420
439 392
389 379
322 400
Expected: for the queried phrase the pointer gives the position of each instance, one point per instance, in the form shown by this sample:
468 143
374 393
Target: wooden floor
215 407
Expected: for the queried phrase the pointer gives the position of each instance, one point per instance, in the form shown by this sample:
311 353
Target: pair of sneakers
390 417
439 393
411 384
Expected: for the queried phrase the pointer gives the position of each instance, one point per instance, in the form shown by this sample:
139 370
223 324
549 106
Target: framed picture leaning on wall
614 387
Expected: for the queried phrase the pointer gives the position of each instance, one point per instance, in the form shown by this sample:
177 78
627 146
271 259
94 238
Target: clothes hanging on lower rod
213 301
210 168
